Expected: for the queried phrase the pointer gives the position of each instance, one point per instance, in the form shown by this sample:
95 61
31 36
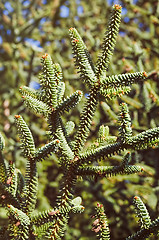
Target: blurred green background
31 28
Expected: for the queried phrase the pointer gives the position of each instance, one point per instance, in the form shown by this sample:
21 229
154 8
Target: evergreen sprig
36 106
27 91
109 41
125 129
19 224
26 137
85 120
144 139
100 225
147 226
145 233
142 213
123 79
82 58
69 103
105 171
49 81
46 150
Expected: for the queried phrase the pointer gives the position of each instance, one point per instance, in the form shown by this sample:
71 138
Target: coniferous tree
147 89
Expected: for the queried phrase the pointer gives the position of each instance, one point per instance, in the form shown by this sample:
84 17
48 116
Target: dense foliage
136 50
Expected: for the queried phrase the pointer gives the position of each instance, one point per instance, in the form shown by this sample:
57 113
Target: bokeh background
28 29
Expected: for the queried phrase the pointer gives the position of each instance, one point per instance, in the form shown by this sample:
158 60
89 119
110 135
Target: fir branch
44 217
145 233
86 119
126 79
143 139
19 224
109 41
36 106
26 137
27 91
100 225
49 81
108 171
69 181
125 130
57 230
114 92
46 150
101 153
30 193
142 213
69 103
82 58
53 222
